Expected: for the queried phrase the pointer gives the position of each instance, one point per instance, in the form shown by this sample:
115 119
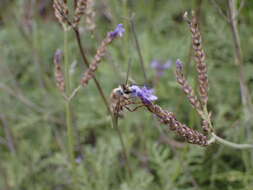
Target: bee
123 97
120 98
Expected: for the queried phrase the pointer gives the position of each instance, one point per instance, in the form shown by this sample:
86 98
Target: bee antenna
128 70
138 84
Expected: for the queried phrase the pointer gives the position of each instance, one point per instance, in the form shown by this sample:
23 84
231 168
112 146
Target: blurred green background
33 135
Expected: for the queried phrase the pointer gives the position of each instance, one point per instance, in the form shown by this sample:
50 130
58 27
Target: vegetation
61 133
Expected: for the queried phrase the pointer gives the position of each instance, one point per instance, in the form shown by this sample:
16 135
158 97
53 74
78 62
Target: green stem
69 121
137 44
102 94
221 140
115 125
231 144
86 62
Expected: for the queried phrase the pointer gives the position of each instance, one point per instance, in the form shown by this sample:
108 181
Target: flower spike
89 74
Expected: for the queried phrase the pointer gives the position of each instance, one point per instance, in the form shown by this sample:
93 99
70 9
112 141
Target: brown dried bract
79 11
168 118
199 58
89 73
61 12
188 90
90 15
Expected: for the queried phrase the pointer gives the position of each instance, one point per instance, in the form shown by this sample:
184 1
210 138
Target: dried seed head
61 13
168 118
205 126
188 90
190 135
89 74
79 11
59 76
199 58
90 15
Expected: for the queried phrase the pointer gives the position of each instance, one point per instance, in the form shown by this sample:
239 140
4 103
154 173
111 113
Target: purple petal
167 64
155 64
160 73
147 95
179 64
118 32
58 56
159 67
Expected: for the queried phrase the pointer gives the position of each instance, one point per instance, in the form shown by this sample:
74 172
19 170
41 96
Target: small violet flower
79 159
147 95
160 67
179 64
118 32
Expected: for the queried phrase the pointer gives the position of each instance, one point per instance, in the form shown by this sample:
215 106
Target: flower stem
137 44
221 140
69 122
230 144
86 62
233 22
102 94
116 126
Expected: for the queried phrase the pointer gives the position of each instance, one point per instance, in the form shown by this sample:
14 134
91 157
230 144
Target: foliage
33 136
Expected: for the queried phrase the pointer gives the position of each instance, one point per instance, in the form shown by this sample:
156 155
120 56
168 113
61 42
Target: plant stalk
245 95
137 44
116 126
69 120
102 94
86 62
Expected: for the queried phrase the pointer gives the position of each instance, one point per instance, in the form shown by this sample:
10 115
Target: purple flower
79 159
58 56
160 67
147 95
179 64
118 32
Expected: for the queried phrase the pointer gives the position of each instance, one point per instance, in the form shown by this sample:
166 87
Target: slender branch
206 116
4 177
86 62
228 143
219 9
102 94
115 125
69 119
138 49
73 93
21 97
245 95
10 141
240 7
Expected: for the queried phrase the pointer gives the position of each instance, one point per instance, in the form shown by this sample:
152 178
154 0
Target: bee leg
134 109
138 107
130 98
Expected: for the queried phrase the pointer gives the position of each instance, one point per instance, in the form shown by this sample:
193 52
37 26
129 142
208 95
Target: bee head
126 89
